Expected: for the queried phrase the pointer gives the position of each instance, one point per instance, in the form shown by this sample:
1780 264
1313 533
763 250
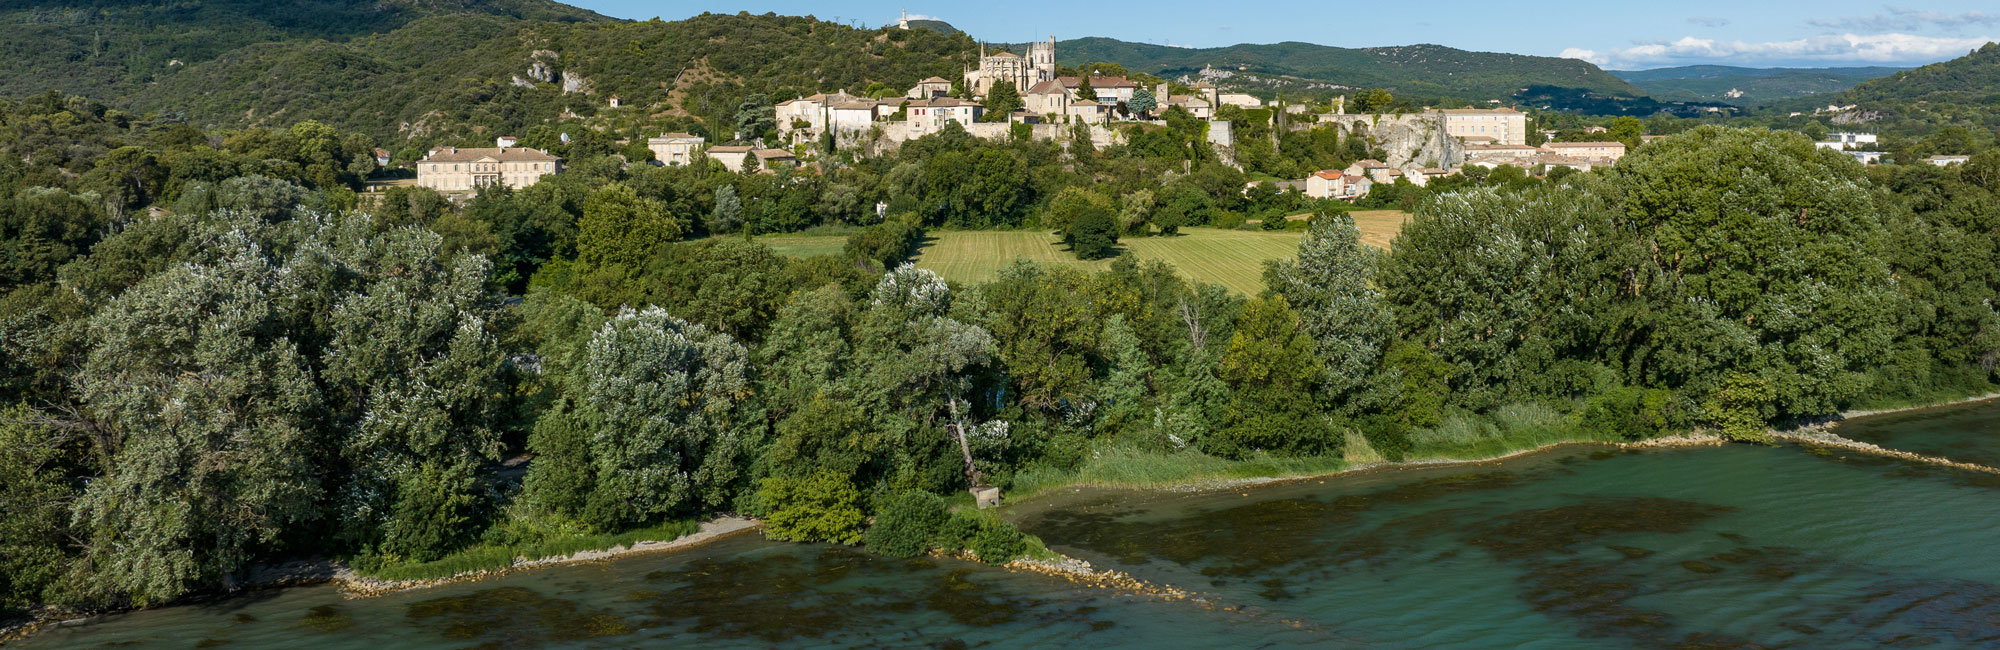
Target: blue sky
1613 34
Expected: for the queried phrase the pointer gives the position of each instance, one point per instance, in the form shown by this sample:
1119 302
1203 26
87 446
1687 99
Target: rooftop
502 154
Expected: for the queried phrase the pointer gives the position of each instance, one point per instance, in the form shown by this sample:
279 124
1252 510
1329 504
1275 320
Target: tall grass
1508 429
1112 465
490 556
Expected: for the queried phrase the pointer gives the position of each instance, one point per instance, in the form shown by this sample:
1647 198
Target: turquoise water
1967 434
1735 547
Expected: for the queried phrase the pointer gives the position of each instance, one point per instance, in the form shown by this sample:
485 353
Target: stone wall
884 137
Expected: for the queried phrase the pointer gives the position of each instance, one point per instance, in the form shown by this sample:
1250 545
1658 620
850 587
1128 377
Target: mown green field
1232 258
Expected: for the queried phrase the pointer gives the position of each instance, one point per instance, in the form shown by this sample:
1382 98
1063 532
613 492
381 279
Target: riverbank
355 585
1815 432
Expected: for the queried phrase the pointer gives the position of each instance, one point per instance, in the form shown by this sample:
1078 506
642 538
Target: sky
1614 34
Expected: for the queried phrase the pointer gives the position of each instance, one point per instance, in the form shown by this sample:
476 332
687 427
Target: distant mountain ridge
1747 86
1431 70
1971 80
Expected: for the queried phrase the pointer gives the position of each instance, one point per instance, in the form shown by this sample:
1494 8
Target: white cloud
1708 21
1906 19
1811 50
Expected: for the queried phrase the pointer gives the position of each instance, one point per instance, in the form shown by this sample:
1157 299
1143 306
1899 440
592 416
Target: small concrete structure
986 495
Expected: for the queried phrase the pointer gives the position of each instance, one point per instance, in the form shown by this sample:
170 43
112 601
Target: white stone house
1604 151
931 88
1504 125
1109 90
1335 184
454 169
675 149
930 115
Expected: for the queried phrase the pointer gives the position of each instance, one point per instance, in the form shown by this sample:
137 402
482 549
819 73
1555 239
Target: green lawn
1232 258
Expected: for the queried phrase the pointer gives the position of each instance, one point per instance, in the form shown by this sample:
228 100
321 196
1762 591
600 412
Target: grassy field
806 245
1232 258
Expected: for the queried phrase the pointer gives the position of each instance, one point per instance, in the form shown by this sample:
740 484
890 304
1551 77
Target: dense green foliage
422 74
106 48
908 525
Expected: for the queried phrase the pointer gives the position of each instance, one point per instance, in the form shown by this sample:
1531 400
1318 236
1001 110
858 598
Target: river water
1732 547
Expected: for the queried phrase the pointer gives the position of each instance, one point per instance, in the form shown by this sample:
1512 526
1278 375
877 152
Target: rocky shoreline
353 585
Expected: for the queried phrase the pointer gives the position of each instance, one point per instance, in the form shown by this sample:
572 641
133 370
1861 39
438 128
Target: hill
1426 70
1969 81
1746 86
110 48
938 26
466 75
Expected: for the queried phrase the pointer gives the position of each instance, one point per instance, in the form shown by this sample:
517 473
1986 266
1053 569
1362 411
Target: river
1581 547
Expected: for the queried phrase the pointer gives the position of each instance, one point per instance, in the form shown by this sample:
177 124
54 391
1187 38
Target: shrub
1389 437
993 540
888 243
999 543
817 508
1094 235
1742 407
909 526
1628 413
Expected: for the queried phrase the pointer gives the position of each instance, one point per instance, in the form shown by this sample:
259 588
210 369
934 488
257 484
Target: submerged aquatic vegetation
514 616
1533 532
322 618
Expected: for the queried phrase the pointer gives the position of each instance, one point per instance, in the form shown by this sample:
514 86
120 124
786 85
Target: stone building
1503 125
1008 67
732 157
1599 151
455 169
675 149
931 88
1109 90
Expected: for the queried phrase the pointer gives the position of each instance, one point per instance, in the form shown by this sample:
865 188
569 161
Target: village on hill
1009 95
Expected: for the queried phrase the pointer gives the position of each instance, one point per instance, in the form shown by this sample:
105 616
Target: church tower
1042 61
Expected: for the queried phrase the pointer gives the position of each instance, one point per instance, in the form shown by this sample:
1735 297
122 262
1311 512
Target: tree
727 217
666 399
1181 204
36 492
1376 100
1136 212
1332 285
818 508
754 117
413 366
204 415
1083 89
1627 129
1127 385
1095 234
1273 371
620 227
1142 102
1001 101
1086 221
1776 269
